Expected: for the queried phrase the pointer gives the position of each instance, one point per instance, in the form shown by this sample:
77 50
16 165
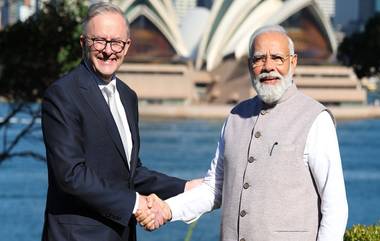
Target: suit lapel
95 99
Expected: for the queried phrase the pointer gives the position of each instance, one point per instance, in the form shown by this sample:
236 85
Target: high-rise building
14 10
351 15
366 9
327 7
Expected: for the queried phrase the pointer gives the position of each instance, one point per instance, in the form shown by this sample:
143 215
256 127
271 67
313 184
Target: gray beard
272 93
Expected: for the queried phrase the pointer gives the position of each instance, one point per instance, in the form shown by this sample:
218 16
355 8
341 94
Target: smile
107 61
269 80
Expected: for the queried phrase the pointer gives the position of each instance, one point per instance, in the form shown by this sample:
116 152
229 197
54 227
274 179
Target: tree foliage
39 50
361 50
34 53
363 233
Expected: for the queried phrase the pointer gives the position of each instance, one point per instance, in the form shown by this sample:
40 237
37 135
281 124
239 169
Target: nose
108 49
268 64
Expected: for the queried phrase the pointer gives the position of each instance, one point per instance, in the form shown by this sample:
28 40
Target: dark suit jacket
91 191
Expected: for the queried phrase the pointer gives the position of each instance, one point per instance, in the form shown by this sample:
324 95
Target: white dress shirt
123 116
321 155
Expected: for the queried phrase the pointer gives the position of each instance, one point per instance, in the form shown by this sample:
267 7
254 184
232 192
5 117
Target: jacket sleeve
147 181
63 137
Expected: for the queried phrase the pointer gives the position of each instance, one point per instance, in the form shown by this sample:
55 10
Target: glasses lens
278 60
101 44
258 61
117 46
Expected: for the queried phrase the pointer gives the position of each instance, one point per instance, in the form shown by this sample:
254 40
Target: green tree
34 54
361 50
363 233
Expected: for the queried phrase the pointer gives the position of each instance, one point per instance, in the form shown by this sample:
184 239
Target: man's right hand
145 208
156 213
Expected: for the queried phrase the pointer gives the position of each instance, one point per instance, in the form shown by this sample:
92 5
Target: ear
82 40
127 45
294 61
249 65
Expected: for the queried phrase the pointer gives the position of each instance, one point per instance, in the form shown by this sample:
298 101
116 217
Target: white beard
272 93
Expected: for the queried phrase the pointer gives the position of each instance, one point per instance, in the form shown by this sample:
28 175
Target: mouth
269 80
104 60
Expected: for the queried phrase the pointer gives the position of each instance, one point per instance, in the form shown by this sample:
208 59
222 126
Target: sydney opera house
200 54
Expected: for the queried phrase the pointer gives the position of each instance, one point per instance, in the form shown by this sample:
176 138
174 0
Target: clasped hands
154 212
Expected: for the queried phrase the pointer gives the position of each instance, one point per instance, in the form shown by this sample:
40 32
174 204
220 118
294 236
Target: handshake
154 212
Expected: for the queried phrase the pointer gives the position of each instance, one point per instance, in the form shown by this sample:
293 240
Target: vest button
257 134
246 185
242 239
251 159
243 213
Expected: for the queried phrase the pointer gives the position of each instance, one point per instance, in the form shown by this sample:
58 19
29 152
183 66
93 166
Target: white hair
270 29
100 8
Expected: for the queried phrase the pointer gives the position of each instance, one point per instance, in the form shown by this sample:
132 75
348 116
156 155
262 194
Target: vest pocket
278 150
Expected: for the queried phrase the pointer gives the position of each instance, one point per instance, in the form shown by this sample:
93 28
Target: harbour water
184 148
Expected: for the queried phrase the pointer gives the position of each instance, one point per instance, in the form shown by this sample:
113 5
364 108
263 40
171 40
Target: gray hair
270 29
100 8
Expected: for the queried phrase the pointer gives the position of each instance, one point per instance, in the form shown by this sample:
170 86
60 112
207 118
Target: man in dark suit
90 128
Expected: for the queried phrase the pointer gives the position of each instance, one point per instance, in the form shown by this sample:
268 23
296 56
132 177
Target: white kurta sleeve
190 205
323 157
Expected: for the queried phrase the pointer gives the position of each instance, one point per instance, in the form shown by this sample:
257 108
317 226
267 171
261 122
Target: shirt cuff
176 213
173 209
136 203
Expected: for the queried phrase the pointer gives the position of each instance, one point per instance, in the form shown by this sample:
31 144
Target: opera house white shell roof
224 31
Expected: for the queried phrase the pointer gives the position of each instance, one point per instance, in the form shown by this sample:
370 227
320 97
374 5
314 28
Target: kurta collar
289 92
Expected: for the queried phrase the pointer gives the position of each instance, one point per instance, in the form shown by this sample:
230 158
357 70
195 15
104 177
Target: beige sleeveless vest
268 191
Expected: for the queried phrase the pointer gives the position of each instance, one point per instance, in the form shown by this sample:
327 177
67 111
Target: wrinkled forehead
108 23
270 43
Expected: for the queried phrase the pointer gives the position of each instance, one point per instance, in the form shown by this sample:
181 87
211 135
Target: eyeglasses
100 44
260 60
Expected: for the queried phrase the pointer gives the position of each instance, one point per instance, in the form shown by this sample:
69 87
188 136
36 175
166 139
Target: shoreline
220 112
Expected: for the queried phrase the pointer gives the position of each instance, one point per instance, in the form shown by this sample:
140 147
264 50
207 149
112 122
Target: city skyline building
351 15
327 7
13 10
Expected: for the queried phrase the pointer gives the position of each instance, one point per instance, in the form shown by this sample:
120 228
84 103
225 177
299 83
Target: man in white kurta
321 157
277 170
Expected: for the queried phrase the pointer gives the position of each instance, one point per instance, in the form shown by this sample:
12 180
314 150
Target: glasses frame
265 59
94 39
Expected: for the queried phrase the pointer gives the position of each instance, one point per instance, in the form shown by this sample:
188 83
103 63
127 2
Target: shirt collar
112 82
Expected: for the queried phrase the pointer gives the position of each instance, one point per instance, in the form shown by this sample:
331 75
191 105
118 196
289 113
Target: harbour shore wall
221 112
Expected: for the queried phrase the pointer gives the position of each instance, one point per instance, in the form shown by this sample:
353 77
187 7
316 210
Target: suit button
246 185
257 134
242 239
251 159
243 213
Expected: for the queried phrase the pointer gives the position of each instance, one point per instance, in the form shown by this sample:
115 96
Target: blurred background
188 65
